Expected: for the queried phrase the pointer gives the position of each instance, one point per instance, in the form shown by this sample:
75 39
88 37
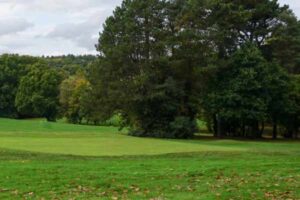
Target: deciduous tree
38 92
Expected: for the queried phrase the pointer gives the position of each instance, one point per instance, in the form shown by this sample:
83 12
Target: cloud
60 5
83 33
13 25
58 26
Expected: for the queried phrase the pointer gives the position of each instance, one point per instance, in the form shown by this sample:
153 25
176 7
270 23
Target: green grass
41 160
59 138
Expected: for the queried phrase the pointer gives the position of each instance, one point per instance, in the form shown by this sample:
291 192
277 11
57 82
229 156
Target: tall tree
248 90
38 92
151 52
12 69
285 43
159 59
291 118
72 91
242 21
239 22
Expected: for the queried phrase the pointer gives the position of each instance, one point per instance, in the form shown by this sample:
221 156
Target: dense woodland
164 64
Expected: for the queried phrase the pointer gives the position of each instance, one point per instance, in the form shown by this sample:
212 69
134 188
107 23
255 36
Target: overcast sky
55 27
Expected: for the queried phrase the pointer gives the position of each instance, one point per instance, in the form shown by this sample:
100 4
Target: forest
162 65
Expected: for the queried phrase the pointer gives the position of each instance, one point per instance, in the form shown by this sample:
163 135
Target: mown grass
40 160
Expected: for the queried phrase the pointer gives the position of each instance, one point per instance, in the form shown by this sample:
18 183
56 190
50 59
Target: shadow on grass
15 155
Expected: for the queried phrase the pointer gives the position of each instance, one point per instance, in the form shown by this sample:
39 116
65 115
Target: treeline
163 64
234 63
31 86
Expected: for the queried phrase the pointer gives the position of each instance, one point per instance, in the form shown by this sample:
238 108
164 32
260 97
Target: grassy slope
59 138
222 169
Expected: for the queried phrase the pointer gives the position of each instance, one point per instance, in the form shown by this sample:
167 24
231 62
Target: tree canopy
12 68
37 94
164 63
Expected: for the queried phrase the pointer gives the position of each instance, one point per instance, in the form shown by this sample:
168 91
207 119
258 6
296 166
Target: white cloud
83 33
13 25
52 27
61 5
80 33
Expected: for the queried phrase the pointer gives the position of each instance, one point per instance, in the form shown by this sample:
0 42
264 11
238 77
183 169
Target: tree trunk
147 38
262 129
289 134
243 130
274 130
255 130
215 126
220 133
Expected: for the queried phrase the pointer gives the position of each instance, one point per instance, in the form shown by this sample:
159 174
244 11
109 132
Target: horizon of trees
30 86
164 64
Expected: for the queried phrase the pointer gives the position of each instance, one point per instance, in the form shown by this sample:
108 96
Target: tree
237 22
232 24
249 90
291 118
151 52
70 63
37 95
12 69
72 92
285 43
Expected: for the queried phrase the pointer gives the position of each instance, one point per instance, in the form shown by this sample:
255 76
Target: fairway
59 138
42 160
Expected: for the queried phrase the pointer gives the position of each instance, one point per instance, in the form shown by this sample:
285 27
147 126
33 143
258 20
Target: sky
57 27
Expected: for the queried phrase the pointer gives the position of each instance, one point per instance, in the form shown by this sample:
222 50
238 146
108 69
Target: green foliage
285 43
239 100
72 93
12 68
70 64
249 90
161 59
149 67
242 21
291 118
37 94
115 121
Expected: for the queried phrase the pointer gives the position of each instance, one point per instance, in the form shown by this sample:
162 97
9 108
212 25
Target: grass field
41 160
